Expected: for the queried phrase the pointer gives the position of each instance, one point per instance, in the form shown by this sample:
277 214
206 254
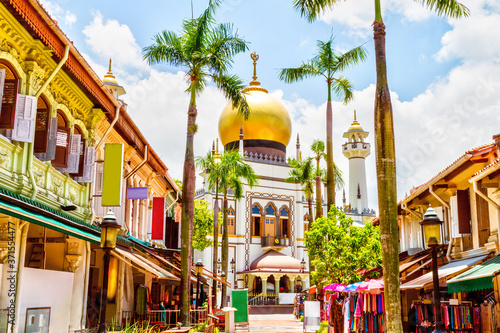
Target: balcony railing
273 241
261 299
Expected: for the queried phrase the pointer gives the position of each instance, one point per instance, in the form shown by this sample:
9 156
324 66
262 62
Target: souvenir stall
358 307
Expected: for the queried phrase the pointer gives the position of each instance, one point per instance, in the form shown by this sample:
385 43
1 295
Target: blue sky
444 75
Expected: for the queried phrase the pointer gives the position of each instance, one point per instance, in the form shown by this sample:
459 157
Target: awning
143 264
45 221
478 278
403 267
445 271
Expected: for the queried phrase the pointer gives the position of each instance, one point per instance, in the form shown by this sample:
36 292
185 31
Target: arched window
62 141
270 210
41 126
9 89
81 151
284 222
256 220
256 210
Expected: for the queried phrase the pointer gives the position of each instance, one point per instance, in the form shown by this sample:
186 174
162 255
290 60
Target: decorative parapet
270 159
355 211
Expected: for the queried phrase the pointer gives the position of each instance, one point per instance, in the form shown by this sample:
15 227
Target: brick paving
274 323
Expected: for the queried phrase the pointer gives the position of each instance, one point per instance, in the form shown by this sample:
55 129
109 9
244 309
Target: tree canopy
203 222
339 250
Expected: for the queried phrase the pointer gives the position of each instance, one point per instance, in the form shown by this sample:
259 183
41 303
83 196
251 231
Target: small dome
110 81
355 126
274 260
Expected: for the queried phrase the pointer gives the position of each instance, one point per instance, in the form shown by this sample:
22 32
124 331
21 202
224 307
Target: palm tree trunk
188 184
330 178
225 250
310 205
319 202
386 181
216 241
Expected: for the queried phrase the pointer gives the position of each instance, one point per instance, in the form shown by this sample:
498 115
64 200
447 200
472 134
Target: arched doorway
284 284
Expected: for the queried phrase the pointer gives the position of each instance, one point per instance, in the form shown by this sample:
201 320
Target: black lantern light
303 264
233 265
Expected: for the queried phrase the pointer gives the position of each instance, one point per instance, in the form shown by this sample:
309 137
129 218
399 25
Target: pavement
275 323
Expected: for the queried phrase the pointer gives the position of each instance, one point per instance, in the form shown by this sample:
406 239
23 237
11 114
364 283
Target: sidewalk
273 323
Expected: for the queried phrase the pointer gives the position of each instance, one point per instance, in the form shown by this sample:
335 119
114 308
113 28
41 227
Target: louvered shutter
81 163
24 118
88 169
454 217
41 131
50 154
74 154
3 71
9 99
62 148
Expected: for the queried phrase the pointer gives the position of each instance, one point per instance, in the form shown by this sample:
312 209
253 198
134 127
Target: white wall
45 288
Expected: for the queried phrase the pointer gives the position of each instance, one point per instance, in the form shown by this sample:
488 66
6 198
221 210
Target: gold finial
354 115
254 57
109 70
217 146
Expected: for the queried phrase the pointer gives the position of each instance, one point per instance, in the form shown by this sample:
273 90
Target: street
274 323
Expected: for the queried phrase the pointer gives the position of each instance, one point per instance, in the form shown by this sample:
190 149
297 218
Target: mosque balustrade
356 211
271 159
263 299
273 241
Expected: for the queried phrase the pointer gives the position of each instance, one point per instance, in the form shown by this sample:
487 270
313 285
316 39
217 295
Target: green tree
385 154
205 50
318 148
339 251
203 222
328 63
233 171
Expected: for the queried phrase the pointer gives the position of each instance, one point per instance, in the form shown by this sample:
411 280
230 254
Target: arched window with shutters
41 126
62 141
284 222
81 161
256 220
9 87
231 228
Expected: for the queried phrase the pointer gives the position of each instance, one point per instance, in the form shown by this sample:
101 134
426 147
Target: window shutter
3 71
88 169
74 154
41 131
463 204
50 153
24 118
81 163
454 217
9 99
62 148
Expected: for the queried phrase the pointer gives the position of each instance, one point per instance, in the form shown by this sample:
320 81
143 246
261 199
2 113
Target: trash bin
229 318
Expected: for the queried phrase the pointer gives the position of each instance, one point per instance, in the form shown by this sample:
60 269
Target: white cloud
58 13
108 39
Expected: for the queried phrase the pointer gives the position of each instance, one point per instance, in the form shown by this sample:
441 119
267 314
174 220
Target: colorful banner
112 176
158 220
137 192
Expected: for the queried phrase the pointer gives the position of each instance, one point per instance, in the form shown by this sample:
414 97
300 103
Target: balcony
273 242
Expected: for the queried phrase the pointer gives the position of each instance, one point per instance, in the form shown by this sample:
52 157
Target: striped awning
478 278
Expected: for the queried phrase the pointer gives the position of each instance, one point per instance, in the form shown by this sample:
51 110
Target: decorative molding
74 262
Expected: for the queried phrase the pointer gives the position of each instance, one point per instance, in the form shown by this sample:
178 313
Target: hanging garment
337 316
347 315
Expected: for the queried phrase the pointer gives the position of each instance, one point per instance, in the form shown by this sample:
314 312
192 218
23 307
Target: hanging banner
112 175
158 220
137 192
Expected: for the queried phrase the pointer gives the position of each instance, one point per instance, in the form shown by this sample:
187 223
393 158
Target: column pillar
75 259
292 282
143 219
277 284
264 286
21 236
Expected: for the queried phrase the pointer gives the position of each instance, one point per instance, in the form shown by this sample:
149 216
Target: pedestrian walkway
274 323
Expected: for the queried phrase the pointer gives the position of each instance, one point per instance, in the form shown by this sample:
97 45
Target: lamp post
432 230
219 264
199 270
223 279
233 266
303 265
109 229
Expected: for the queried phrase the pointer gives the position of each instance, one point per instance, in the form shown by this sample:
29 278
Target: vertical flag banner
158 218
112 176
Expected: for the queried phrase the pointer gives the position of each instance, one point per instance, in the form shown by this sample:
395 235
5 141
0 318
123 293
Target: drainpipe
444 203
144 160
117 115
88 253
31 145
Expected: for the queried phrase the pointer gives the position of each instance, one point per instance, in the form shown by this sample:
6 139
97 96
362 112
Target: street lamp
218 265
109 229
432 231
233 264
199 270
303 265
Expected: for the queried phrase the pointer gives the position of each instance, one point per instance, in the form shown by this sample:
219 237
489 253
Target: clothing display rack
456 318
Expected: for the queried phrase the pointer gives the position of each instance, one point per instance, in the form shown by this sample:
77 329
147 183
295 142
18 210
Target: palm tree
318 148
233 171
384 146
303 174
205 50
210 165
328 63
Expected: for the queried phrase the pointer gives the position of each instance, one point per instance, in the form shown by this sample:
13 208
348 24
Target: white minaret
356 150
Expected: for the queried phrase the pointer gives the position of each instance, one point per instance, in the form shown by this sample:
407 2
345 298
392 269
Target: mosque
266 227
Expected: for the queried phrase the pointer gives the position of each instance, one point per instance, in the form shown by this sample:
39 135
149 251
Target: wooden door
269 226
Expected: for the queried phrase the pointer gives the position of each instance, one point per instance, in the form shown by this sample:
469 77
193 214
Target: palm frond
311 9
450 8
350 58
343 89
231 86
200 27
304 71
167 47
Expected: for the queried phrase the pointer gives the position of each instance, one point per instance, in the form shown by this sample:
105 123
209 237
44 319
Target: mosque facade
266 227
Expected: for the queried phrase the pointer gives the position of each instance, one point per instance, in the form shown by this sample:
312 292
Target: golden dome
268 119
355 126
110 81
